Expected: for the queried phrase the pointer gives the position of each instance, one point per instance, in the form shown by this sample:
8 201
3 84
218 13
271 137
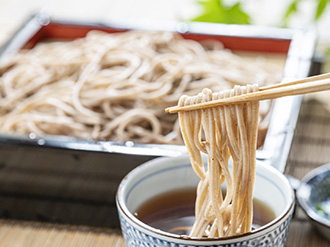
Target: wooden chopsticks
303 86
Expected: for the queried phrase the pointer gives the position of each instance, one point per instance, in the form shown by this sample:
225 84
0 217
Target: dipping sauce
174 212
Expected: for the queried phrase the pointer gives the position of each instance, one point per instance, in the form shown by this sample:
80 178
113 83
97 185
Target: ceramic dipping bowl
167 174
313 195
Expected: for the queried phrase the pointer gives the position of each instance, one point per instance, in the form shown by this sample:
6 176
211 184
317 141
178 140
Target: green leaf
216 11
235 14
320 9
291 10
212 11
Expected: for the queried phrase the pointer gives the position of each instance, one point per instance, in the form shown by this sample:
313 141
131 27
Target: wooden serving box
63 179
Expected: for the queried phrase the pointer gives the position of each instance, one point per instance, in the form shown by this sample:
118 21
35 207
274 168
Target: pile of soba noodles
115 86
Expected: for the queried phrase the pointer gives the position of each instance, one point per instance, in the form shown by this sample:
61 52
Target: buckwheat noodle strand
221 132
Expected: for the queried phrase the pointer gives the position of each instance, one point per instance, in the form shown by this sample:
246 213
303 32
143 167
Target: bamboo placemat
24 234
311 146
310 149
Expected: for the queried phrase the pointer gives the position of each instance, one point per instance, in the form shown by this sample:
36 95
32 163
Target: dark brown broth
174 212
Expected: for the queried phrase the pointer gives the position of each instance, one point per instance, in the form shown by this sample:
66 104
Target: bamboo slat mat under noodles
311 146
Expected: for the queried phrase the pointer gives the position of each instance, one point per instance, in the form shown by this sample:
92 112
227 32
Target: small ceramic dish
167 174
313 195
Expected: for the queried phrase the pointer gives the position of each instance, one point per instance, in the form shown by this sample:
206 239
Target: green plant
217 11
293 9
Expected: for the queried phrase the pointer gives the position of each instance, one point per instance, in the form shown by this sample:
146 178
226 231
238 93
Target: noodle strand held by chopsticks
221 132
88 87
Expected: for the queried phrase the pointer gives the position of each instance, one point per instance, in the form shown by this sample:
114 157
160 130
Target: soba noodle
221 132
114 86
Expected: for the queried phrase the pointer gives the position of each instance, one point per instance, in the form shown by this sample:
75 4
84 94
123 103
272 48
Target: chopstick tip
170 109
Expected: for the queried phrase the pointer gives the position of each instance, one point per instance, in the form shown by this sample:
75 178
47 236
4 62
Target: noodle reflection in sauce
221 132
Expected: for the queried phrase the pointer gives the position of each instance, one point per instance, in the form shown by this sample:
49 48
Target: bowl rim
122 207
303 198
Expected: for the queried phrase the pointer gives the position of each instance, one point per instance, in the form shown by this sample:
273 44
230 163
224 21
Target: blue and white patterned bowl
313 195
167 174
